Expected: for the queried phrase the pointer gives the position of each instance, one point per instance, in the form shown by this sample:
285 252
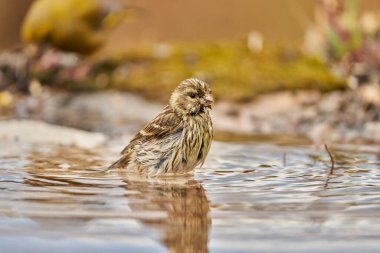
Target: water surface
253 197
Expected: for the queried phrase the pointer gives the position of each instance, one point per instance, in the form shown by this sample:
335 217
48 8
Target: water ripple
246 198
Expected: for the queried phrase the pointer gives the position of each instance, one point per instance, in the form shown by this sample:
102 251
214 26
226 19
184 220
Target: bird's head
191 97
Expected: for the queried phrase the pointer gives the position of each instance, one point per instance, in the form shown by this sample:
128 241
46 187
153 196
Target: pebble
35 132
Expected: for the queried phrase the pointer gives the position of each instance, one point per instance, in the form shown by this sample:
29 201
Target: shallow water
247 198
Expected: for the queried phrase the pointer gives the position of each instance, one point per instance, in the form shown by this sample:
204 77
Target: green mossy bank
235 73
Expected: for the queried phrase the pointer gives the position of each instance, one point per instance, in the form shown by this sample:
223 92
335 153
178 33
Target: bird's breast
197 139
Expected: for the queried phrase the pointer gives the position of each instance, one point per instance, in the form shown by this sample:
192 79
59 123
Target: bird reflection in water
183 222
185 229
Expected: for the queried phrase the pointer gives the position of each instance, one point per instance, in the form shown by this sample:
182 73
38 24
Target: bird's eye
192 95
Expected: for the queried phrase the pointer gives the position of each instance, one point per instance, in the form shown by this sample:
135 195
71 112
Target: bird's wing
167 123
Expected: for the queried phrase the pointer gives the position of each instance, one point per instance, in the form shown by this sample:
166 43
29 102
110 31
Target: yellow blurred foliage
70 25
6 99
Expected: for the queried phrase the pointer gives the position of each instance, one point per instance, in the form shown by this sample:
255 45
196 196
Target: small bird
178 139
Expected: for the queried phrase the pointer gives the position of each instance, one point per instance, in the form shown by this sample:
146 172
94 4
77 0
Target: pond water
260 197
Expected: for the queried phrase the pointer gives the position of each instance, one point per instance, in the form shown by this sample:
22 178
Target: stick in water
331 158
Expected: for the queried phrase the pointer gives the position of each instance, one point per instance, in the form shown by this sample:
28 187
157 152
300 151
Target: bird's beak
209 100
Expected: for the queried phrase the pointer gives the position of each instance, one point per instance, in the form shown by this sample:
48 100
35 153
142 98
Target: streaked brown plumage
178 139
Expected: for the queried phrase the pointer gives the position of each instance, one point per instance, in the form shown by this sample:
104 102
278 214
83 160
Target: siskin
178 139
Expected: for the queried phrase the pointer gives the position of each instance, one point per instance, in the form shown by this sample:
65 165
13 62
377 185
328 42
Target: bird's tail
121 163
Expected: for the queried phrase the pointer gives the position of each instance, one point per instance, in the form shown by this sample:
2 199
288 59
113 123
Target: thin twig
331 159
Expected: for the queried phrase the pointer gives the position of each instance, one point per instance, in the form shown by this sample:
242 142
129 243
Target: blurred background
168 20
319 60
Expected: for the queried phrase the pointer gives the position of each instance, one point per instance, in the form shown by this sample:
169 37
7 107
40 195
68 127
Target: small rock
29 131
372 131
330 102
107 111
370 94
323 133
264 106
